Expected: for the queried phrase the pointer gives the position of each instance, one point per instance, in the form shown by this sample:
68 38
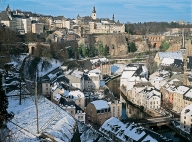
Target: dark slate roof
4 16
64 102
11 80
58 18
138 71
62 78
86 77
189 64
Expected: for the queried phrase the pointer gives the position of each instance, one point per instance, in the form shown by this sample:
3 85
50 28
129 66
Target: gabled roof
130 130
53 120
64 102
100 104
171 55
4 16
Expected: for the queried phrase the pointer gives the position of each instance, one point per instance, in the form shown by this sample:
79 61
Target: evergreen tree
132 47
4 115
106 50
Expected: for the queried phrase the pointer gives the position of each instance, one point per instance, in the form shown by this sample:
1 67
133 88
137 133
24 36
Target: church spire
94 11
113 18
8 8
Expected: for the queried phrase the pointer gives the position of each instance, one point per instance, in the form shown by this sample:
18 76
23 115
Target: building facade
98 111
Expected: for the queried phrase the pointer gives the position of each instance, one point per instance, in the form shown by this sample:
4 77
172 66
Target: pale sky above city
124 10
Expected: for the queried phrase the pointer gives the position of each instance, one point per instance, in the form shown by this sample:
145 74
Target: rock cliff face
176 42
116 42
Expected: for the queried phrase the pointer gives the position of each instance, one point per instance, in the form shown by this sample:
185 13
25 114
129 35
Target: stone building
103 64
185 119
98 111
116 109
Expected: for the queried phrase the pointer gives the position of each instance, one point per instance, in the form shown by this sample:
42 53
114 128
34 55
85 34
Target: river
131 113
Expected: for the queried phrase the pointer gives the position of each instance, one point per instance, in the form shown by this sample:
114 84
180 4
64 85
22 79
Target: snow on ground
52 119
17 60
53 65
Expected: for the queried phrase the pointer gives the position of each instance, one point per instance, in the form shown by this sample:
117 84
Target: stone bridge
155 40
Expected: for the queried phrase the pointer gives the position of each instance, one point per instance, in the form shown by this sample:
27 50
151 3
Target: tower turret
113 18
185 59
94 14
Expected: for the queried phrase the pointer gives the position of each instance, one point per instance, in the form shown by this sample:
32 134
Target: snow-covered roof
189 94
77 94
52 76
187 110
77 73
93 61
100 104
170 55
171 82
57 97
144 69
167 61
152 94
128 131
127 74
89 134
128 68
149 139
94 72
52 119
181 89
171 89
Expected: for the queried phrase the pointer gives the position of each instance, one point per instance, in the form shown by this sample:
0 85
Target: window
46 89
71 112
184 117
46 85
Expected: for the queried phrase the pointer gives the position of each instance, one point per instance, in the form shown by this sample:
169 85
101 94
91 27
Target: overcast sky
124 10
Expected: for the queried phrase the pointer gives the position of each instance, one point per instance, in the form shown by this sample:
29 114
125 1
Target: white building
186 119
76 79
116 108
157 82
92 79
150 98
37 28
132 94
27 25
71 107
77 96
